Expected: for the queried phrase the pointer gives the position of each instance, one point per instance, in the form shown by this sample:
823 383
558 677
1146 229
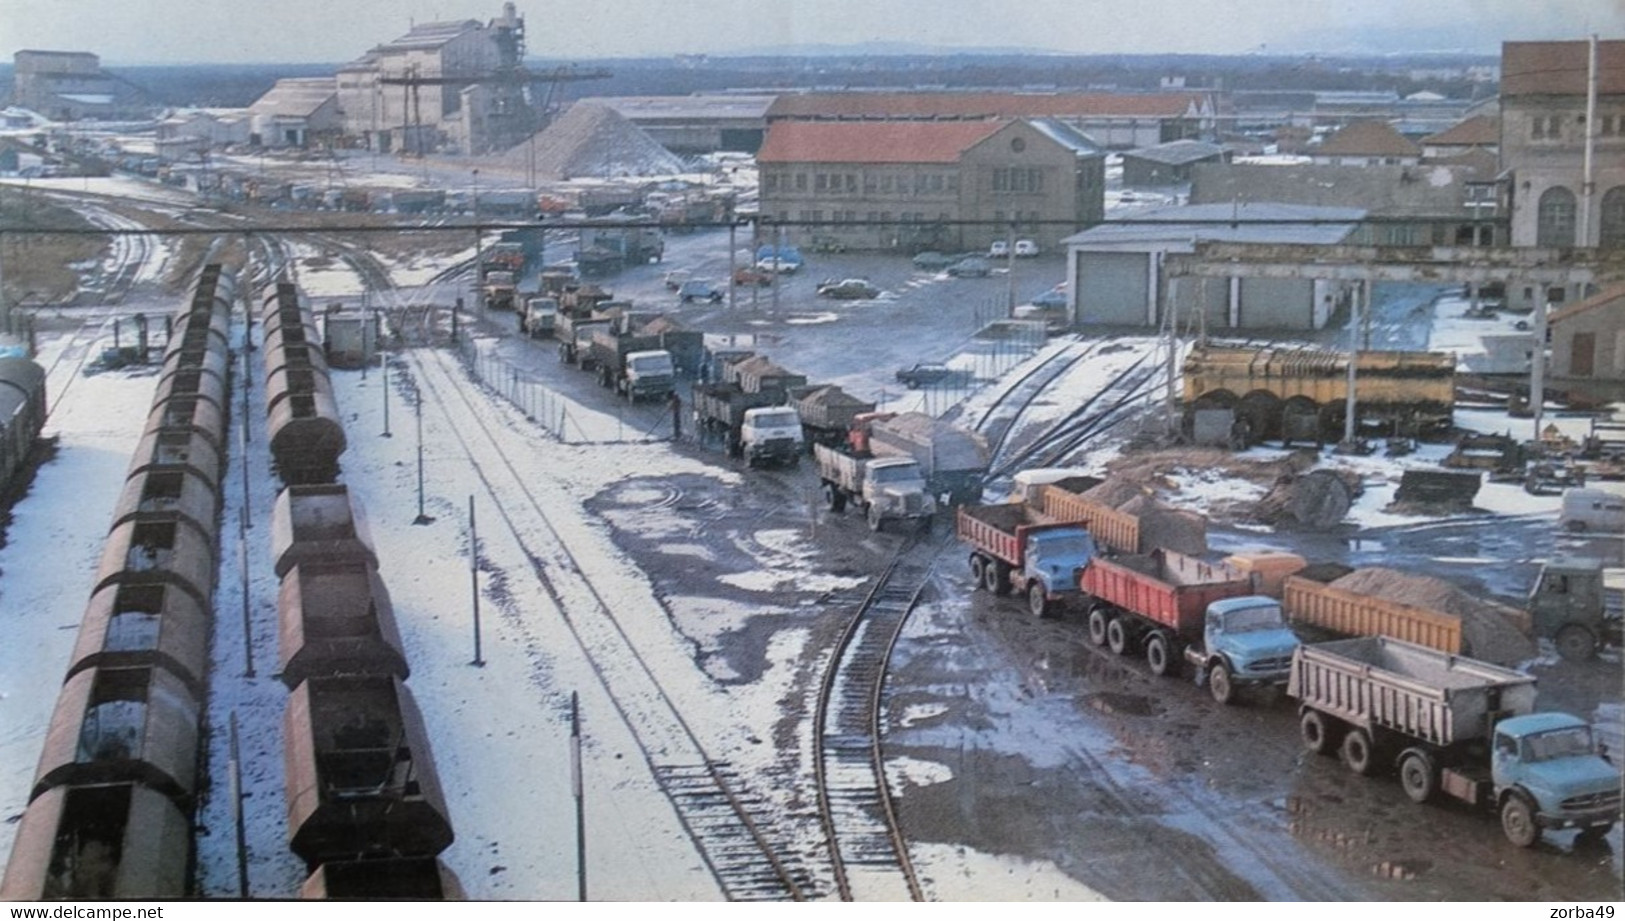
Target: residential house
1476 133
916 185
1367 142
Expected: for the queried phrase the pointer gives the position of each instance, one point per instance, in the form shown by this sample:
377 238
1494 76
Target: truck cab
894 487
648 373
541 313
1571 605
1548 773
499 288
1245 640
1051 561
771 434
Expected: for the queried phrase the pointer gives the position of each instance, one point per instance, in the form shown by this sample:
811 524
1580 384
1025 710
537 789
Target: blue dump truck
1454 727
1180 609
1012 551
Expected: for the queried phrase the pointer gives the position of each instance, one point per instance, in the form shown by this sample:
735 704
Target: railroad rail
732 829
866 846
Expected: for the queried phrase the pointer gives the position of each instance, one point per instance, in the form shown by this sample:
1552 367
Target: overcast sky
301 31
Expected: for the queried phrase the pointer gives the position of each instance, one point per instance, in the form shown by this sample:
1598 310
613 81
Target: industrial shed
1588 338
1170 163
1116 279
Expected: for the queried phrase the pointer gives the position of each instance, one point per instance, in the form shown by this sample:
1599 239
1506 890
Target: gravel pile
1490 631
594 141
1160 526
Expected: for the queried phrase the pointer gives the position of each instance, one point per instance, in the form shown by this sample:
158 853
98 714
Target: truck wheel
1159 655
1038 600
1117 636
1357 752
1220 685
1418 776
1575 643
875 518
977 565
990 577
835 498
1319 732
1518 821
1097 625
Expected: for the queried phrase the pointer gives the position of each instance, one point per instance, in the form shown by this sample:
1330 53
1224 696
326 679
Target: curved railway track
1069 432
1030 386
730 827
870 857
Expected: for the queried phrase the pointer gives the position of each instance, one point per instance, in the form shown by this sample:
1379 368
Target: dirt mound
1116 492
1490 631
594 141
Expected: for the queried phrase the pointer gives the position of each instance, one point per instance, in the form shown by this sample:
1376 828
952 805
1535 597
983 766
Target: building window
1613 218
1546 128
821 182
1606 126
851 183
801 182
871 184
1555 216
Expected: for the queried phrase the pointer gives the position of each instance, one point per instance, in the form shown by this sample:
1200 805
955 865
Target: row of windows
872 184
1557 218
818 216
1018 179
1550 127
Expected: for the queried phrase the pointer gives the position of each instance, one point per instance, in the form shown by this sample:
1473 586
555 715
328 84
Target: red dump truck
1178 608
1014 550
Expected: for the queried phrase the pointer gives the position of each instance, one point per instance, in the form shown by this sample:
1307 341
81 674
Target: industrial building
697 124
1115 274
916 185
297 112
71 85
1114 121
1170 163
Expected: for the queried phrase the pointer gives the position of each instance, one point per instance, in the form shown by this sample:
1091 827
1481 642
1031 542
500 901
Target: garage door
1113 288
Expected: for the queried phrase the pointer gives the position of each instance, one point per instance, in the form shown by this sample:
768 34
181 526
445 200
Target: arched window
1555 222
1613 218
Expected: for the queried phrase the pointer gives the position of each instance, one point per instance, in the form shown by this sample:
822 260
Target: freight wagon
1301 394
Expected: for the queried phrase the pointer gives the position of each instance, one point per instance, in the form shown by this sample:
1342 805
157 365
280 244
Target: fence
567 421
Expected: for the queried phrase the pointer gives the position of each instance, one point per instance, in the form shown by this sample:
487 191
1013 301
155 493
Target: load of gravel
593 141
1490 631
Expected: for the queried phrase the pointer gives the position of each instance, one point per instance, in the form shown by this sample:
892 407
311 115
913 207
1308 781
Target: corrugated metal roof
872 142
296 96
1067 136
1368 138
1252 225
431 35
1482 130
983 105
1560 68
686 107
1178 153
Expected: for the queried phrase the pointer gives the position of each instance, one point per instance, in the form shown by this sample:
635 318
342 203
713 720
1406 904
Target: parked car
1026 249
971 267
675 279
746 275
1053 318
999 249
699 290
848 289
932 261
931 374
1054 297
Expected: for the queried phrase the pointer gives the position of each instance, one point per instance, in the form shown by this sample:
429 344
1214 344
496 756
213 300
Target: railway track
871 859
732 828
1069 432
1029 387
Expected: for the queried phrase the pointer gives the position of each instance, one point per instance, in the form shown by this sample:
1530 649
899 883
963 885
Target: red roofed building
1544 135
916 185
1367 143
1478 133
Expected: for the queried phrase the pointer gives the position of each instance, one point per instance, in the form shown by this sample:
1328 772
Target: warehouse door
1583 355
1113 288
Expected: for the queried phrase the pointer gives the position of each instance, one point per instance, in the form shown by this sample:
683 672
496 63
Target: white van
1588 509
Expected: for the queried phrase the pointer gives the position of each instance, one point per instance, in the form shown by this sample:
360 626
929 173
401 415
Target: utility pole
479 268
1588 185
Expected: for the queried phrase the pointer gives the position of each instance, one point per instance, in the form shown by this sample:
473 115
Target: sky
317 31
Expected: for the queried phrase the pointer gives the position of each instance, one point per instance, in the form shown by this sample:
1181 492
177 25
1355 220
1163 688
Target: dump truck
827 412
504 257
687 346
754 426
1012 551
499 289
1347 613
1573 605
539 316
609 249
634 366
954 459
575 337
1179 608
886 488
1456 727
